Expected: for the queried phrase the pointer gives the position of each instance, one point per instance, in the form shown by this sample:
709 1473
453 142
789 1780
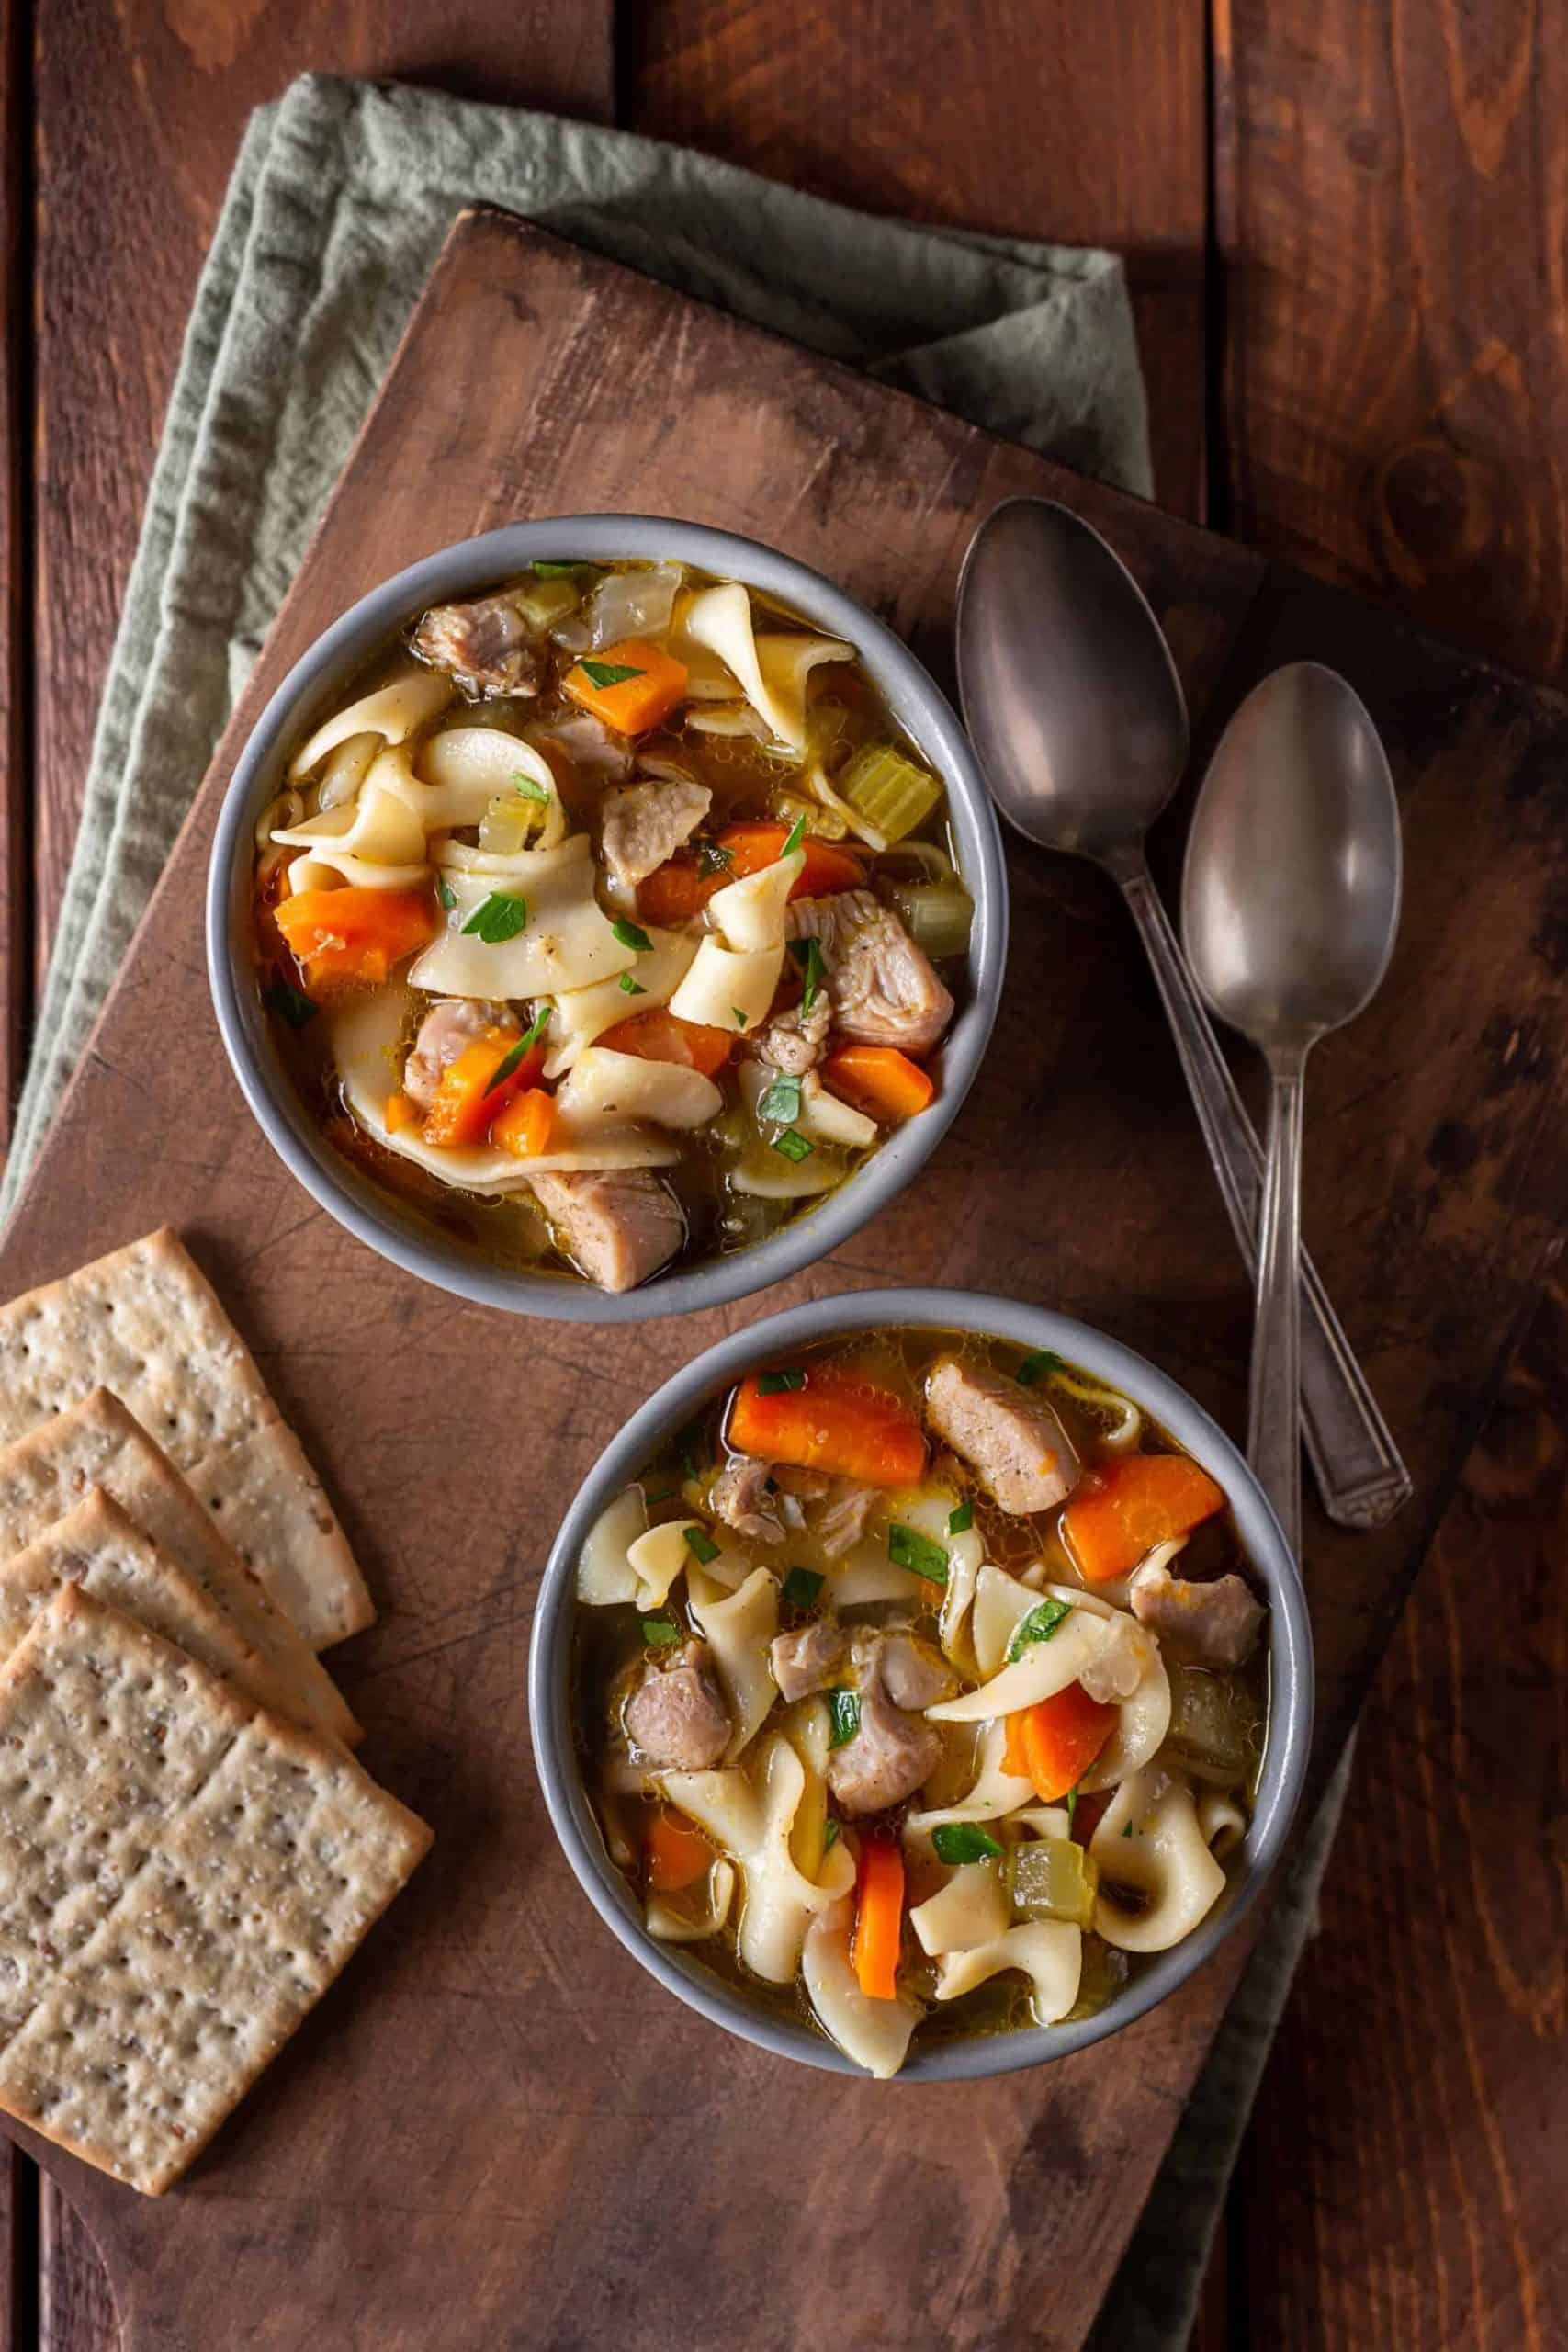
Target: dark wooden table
1345 227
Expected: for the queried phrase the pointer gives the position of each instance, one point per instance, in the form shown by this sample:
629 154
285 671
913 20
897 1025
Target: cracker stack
188 1855
181 1878
145 1324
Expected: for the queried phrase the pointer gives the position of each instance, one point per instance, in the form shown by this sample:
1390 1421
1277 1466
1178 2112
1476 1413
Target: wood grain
1395 207
409 2165
140 110
1003 118
16 518
1446 1918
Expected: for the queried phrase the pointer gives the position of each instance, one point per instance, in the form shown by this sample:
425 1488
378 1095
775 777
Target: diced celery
936 915
1051 1878
889 791
1216 1726
545 602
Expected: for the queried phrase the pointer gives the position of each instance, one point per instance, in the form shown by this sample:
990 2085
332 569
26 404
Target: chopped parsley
796 836
660 1634
497 918
792 1145
1037 1626
781 1102
737 1016
630 935
829 1835
1071 1801
701 1545
964 1841
907 1548
961 1520
843 1715
284 999
630 987
807 954
448 896
1036 1367
801 1588
713 857
509 1062
549 570
776 1384
610 674
530 788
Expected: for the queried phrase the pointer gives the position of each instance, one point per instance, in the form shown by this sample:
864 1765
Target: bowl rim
1269 1555
916 700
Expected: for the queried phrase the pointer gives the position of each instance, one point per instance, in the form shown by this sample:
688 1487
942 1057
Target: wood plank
140 113
1004 117
16 520
1425 2210
527 2053
1396 398
75 2307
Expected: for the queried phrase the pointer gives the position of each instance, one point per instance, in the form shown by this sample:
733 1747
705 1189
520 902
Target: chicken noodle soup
611 921
920 1685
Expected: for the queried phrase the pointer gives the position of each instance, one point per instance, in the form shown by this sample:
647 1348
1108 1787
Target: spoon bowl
1071 696
1291 898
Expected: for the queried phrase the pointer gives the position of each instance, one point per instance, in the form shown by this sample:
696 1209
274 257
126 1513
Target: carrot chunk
829 1419
878 1080
1120 1513
682 886
828 867
879 1918
401 1112
526 1126
1054 1744
677 1854
660 1036
654 685
353 938
476 1087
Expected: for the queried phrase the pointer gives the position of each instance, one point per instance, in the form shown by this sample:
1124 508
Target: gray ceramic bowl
321 675
1290 1668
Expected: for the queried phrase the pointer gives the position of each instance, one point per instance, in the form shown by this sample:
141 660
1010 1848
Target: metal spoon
1074 708
1290 903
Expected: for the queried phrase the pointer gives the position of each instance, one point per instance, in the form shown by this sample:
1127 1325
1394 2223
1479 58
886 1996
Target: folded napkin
338 203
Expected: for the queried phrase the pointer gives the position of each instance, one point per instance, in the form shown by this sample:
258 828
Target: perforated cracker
97 1443
100 1549
264 1877
145 1323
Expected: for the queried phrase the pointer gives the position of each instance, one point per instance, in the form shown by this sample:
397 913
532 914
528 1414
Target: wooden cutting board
496 2131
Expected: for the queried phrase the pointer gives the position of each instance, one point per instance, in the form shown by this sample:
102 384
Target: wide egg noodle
583 1014
364 1035
996 1792
1144 1715
750 1812
567 941
875 2034
393 711
603 1089
1149 1841
604 1574
1049 1952
771 671
970 1910
739 1627
674 1926
1044 1668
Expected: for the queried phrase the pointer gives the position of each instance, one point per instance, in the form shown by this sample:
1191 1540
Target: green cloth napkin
338 203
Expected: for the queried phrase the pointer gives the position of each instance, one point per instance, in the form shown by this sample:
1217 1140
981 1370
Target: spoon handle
1359 1474
1274 1410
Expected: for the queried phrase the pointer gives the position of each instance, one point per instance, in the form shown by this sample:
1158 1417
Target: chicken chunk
838 1522
617 1224
808 1660
883 987
891 1755
794 1042
675 1718
1212 1624
913 1674
485 646
1008 1435
740 1497
645 823
452 1023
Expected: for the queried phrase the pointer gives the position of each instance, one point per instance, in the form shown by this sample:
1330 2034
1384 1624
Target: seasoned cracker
264 1859
146 1323
100 1547
97 1443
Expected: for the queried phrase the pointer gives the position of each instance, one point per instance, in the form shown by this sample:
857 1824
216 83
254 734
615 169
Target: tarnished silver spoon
1289 906
1074 706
